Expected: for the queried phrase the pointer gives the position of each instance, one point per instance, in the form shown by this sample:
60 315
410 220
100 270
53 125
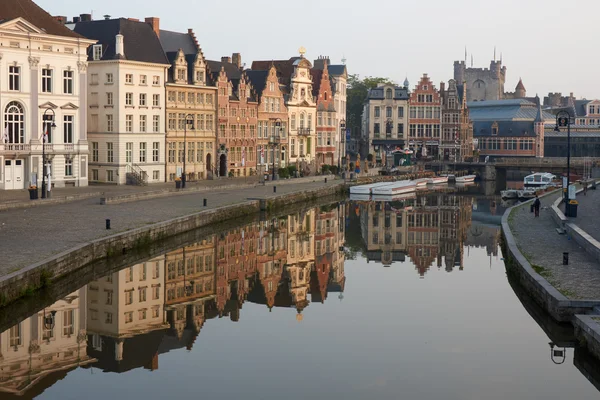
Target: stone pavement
33 234
540 243
588 212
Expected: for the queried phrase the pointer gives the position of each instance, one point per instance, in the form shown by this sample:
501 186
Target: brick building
425 119
327 129
457 129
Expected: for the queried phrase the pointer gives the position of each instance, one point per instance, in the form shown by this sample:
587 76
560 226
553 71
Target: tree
356 95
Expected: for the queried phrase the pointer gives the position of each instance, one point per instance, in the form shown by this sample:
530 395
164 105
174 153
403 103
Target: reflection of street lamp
557 356
273 142
49 320
563 118
48 122
341 143
189 119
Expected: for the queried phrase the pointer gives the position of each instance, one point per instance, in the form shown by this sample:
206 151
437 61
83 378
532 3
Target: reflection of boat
360 197
436 180
509 194
395 188
396 197
367 189
466 178
421 182
526 194
539 179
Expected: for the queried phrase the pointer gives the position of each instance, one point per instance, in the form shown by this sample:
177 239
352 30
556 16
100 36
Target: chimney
75 20
119 46
154 23
237 60
134 19
61 19
85 17
442 87
106 16
226 59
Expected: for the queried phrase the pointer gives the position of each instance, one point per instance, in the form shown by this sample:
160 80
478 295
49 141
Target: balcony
21 148
303 132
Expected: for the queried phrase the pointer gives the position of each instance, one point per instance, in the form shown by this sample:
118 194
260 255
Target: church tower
520 92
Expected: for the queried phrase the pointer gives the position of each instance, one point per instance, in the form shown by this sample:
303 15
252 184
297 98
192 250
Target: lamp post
563 118
189 119
48 122
341 144
273 142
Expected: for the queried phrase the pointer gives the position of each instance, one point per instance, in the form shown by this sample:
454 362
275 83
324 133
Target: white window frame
68 81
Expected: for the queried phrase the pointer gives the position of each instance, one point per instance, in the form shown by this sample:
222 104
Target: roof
28 10
505 110
317 76
140 41
285 68
505 128
520 85
336 70
258 79
400 93
580 107
231 70
173 41
563 134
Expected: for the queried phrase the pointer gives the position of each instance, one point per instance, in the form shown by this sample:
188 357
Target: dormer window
181 74
200 76
96 52
388 94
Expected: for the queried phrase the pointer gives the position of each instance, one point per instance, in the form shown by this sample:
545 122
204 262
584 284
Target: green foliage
283 173
325 169
291 170
356 94
334 169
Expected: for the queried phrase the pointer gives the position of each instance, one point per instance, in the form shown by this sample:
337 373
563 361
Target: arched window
309 121
388 93
325 96
14 123
302 120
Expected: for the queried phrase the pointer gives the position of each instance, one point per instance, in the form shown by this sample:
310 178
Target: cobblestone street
33 234
541 244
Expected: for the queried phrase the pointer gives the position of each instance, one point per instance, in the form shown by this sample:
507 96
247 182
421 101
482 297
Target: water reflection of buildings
126 319
40 350
429 228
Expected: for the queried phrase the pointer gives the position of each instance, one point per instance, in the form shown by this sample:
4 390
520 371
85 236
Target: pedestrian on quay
536 206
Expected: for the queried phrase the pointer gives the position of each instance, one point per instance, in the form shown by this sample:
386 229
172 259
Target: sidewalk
588 212
33 234
541 244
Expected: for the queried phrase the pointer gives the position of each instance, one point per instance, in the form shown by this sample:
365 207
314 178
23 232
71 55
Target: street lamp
273 142
341 143
563 118
48 122
189 119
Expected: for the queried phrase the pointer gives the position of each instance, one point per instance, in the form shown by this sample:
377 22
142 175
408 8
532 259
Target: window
388 112
110 175
377 112
109 78
68 128
412 112
155 151
180 74
142 79
156 293
142 152
109 99
156 80
156 175
142 294
97 52
14 120
181 97
156 100
142 123
128 99
200 76
142 99
14 78
129 152
109 123
68 322
400 112
171 156
68 166
376 128
142 314
191 98
129 317
109 152
108 318
129 123
156 123
94 79
94 151
172 120
68 82
129 78
46 80
388 93
400 129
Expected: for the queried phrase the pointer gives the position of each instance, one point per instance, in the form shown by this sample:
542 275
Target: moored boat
395 188
466 178
421 182
367 189
526 194
509 194
539 179
436 180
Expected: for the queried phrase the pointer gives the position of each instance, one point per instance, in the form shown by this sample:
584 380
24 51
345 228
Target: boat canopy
539 178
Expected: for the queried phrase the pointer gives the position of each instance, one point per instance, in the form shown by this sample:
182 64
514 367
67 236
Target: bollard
565 258
107 223
274 189
204 202
325 180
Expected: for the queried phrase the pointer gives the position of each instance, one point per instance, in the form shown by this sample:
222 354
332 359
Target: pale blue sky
551 44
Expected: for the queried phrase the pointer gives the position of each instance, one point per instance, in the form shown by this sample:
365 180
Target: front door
13 174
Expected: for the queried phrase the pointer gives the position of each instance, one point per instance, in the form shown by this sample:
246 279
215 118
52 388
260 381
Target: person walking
536 206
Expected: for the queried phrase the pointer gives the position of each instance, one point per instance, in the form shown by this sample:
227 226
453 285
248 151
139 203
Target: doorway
13 174
223 165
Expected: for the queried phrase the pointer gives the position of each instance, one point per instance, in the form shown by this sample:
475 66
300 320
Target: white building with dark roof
43 68
126 97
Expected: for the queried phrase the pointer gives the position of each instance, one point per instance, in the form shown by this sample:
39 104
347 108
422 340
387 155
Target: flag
45 136
6 134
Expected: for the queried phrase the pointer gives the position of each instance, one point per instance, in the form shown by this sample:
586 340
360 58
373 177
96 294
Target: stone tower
520 92
482 83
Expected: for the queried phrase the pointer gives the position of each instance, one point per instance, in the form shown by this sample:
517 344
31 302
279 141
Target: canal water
384 300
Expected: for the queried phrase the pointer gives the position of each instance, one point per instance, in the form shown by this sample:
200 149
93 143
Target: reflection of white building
43 67
31 350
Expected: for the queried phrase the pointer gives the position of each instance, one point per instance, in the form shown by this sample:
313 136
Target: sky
550 44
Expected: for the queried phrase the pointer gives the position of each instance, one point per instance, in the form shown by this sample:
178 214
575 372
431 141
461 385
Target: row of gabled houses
120 100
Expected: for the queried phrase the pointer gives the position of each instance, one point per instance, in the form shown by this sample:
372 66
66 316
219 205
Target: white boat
436 180
395 188
367 189
526 194
509 194
539 179
421 182
466 178
396 197
360 197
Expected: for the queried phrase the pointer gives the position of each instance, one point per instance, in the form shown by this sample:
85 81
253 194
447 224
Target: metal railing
303 131
139 175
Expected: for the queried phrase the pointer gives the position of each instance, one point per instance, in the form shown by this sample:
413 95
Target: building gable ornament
82 66
33 61
69 106
48 104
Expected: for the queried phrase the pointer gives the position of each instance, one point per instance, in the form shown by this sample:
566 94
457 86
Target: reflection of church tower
538 127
